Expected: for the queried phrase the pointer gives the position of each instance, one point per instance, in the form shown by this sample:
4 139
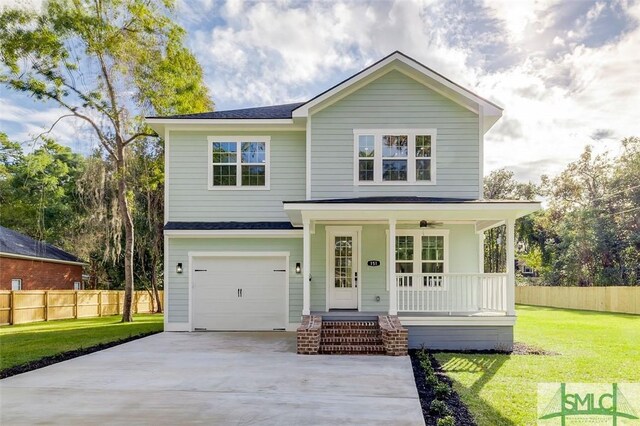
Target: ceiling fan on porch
430 224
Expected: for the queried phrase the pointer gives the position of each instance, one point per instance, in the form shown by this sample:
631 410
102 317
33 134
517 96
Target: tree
37 190
501 184
105 62
594 211
148 171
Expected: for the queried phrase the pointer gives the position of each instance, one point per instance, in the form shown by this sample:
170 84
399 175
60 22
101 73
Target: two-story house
365 200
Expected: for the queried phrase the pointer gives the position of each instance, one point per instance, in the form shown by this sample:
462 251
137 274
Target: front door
343 270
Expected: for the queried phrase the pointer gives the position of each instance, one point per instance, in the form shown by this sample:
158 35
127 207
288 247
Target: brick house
28 264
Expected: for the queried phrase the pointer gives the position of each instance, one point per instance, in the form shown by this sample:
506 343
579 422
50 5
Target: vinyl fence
604 299
18 307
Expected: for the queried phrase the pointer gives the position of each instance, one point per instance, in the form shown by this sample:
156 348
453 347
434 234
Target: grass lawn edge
67 355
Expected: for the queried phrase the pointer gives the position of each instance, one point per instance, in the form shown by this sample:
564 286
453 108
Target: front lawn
593 346
23 343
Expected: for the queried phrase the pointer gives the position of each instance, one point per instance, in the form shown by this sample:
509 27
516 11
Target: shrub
426 366
438 408
442 390
446 421
431 380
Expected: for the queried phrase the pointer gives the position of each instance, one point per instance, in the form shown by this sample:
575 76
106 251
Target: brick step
352 349
350 332
349 325
338 340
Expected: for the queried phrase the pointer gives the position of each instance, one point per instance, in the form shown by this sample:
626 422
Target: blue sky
566 72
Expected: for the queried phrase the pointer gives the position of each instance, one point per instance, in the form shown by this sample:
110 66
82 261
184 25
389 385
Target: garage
239 292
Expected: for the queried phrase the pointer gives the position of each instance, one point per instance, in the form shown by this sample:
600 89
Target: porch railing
450 293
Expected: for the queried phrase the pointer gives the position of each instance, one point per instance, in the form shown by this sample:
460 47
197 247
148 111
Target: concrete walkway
214 378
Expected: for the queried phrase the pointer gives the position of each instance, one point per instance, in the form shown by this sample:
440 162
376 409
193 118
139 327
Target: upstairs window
395 157
239 162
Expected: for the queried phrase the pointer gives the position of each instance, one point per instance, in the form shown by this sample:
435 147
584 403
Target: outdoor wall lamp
423 224
298 268
179 268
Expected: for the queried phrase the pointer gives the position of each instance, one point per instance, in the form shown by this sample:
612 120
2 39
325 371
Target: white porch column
391 269
511 273
306 266
481 238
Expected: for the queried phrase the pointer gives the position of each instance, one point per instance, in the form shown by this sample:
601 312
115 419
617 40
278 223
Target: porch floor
352 314
453 314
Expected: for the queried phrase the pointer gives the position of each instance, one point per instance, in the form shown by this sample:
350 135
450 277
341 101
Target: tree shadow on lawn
486 366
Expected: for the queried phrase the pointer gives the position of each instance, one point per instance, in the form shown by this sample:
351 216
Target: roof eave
472 210
42 259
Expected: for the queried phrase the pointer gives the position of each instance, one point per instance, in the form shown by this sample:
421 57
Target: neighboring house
28 264
525 270
365 200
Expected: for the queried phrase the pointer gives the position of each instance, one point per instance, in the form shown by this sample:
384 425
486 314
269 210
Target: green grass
23 343
593 346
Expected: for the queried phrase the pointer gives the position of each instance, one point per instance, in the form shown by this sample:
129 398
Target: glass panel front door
343 280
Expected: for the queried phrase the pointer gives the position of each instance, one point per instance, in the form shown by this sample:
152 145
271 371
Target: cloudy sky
566 72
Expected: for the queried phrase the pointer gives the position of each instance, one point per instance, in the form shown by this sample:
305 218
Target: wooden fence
18 307
604 299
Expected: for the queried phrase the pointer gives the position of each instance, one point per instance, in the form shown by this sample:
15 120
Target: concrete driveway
214 378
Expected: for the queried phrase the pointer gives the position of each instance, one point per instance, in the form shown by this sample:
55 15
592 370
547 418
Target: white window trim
18 281
417 235
239 139
377 159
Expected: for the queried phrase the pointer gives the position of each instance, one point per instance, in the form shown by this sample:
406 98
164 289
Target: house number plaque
373 263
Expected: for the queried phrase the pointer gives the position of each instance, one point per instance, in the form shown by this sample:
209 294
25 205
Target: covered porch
421 259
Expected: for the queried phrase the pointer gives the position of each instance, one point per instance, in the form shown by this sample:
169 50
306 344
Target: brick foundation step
352 349
347 332
350 325
351 338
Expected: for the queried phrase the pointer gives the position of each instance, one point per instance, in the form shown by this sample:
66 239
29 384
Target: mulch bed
63 356
520 348
458 410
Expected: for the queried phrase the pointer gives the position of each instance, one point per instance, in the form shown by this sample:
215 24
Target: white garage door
239 293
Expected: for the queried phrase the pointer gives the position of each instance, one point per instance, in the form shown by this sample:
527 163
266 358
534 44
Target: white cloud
556 121
24 124
558 90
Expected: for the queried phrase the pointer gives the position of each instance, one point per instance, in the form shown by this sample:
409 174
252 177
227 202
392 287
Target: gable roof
273 112
286 113
16 244
397 60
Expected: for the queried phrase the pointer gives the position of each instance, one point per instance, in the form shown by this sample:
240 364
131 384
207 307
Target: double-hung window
388 156
239 162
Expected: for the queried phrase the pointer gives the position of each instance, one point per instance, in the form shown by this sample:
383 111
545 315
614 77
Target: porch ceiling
487 212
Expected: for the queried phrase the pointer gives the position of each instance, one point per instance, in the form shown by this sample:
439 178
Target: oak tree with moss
106 63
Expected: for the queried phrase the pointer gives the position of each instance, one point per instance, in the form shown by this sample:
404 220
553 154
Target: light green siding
178 252
189 198
463 257
394 101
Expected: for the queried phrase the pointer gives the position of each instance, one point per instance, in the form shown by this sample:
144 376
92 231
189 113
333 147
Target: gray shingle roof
211 226
13 242
266 112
